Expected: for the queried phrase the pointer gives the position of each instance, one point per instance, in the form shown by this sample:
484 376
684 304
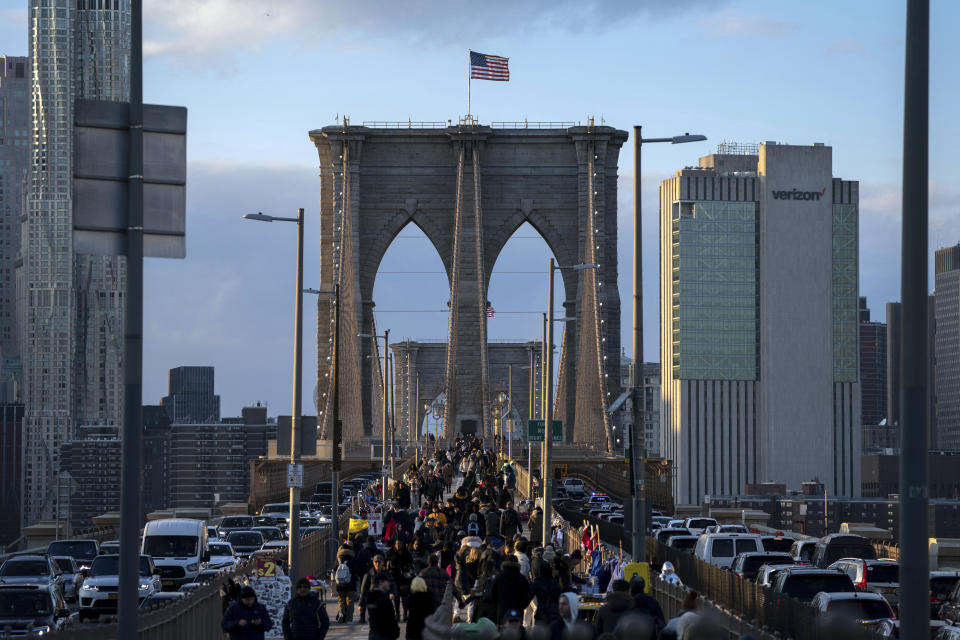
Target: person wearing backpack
345 581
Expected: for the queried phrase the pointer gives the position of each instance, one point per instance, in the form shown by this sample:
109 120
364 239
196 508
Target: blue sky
257 76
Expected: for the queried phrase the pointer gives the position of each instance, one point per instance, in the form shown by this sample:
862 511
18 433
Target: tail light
862 585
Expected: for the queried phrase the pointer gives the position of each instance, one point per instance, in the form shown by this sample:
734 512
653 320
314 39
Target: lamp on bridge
387 391
293 548
638 551
545 470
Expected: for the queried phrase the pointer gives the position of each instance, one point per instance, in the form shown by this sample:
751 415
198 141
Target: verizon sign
796 194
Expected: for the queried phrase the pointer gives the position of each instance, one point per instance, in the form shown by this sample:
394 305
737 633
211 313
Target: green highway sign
535 431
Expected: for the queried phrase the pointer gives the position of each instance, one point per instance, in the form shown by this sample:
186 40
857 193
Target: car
277 544
767 572
675 524
803 551
948 633
616 518
663 535
721 548
950 605
31 569
697 524
944 585
245 542
31 609
221 555
209 575
803 583
777 543
831 548
187 587
110 546
683 543
860 606
72 576
877 576
309 521
212 533
573 487
663 521
279 511
596 499
83 551
178 546
726 528
609 513
161 599
98 594
268 521
271 533
747 564
234 523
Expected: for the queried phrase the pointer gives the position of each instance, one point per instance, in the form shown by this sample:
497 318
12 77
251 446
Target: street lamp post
386 394
548 400
293 546
638 454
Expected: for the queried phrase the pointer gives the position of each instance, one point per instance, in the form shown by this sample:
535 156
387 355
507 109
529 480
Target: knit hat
549 555
247 592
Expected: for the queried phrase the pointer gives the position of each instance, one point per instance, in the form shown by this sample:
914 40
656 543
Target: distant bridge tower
468 188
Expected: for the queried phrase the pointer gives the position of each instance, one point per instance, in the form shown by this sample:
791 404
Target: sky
256 76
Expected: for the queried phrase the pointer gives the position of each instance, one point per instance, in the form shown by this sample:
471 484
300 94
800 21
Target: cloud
187 28
844 46
732 24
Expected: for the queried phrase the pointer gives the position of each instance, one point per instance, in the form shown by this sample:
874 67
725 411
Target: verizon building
759 300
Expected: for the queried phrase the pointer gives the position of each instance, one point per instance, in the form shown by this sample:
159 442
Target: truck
178 547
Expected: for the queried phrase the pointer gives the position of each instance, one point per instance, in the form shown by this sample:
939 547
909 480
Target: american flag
487 67
489 310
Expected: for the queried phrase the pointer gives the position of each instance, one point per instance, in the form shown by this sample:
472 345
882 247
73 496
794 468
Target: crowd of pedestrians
505 580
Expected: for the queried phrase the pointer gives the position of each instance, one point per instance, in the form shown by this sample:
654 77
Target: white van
721 548
178 546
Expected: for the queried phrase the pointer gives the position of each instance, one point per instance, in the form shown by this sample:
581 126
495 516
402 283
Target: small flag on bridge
489 310
487 67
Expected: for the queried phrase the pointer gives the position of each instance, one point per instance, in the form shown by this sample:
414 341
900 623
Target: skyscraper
947 347
190 398
14 161
70 306
873 375
759 284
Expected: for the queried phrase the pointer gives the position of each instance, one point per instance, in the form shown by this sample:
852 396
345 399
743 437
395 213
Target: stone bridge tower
468 188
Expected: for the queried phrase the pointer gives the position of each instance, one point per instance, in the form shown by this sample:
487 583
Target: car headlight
89 587
41 630
144 587
192 567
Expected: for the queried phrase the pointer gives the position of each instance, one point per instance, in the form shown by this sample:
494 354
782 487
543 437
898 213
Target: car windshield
883 573
804 587
219 550
25 568
701 523
746 545
835 551
807 552
245 539
65 564
237 521
78 549
170 546
940 588
777 544
683 543
110 566
273 534
861 609
24 604
275 508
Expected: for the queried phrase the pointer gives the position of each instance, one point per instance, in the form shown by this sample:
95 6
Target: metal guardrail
198 616
409 124
534 124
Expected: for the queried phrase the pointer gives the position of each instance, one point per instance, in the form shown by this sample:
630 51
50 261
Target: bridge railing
197 616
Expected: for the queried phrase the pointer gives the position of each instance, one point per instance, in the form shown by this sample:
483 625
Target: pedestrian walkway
362 631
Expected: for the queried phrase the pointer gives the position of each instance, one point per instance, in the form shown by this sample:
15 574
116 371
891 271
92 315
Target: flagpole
468 80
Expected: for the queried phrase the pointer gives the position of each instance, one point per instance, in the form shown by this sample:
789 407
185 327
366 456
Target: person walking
510 524
418 605
305 617
618 603
345 581
511 591
246 619
383 619
369 583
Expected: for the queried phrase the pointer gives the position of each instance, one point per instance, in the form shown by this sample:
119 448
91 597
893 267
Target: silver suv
99 591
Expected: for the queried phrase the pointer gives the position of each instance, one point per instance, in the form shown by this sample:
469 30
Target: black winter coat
381 616
618 603
237 612
493 522
547 592
511 590
305 618
510 523
418 607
